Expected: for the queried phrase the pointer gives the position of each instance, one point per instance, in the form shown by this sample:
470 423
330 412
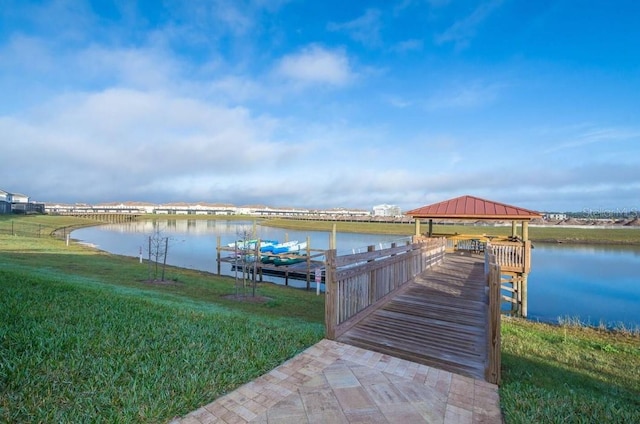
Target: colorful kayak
278 248
288 247
251 244
288 260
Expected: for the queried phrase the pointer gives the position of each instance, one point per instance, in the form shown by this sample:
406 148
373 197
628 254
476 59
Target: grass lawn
569 374
77 351
85 338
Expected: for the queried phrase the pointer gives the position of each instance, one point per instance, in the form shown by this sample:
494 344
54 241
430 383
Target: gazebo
513 254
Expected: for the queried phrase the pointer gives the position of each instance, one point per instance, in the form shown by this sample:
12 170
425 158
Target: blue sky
322 104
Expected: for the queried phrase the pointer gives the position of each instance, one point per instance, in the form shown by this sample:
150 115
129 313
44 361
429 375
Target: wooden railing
465 243
513 256
356 283
494 301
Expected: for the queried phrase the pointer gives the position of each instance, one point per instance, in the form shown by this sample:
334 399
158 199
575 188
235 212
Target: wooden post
332 240
527 267
514 228
330 307
526 263
525 230
524 295
492 371
518 280
372 275
218 256
308 263
431 228
417 226
256 260
514 294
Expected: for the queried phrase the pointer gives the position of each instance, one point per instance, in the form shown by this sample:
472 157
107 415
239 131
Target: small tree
245 257
158 247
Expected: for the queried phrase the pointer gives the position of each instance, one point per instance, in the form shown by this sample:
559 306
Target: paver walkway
332 382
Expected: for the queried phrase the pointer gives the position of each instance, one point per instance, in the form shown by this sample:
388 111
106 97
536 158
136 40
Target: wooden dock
439 319
313 259
301 271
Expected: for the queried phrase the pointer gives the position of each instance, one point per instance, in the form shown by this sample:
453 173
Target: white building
555 216
18 203
386 210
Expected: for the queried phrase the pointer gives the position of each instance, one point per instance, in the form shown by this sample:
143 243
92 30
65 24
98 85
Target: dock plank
439 320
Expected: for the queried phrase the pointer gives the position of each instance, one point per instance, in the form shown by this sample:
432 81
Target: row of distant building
20 203
181 208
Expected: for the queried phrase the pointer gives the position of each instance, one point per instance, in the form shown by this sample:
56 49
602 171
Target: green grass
39 225
81 352
48 257
569 374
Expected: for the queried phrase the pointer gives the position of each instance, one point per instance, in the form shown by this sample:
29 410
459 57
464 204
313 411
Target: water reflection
193 243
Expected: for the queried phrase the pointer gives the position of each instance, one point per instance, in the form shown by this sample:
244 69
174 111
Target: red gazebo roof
470 207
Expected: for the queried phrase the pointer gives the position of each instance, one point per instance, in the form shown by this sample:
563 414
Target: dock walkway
439 319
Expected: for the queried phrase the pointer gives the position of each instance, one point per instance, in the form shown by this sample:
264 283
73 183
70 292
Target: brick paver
332 382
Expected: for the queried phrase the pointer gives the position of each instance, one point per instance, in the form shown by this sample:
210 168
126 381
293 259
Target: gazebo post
417 225
525 239
430 227
523 306
514 228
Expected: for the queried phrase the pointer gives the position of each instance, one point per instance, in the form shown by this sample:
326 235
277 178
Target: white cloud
317 65
133 67
27 54
463 30
242 89
465 95
364 29
111 139
399 102
598 136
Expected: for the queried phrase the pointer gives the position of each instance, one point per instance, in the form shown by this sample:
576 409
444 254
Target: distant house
5 202
553 216
19 198
386 210
18 203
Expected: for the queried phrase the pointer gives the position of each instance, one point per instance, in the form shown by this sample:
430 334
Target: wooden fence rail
512 256
514 259
356 283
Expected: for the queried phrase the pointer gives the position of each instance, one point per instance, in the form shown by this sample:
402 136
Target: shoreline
602 242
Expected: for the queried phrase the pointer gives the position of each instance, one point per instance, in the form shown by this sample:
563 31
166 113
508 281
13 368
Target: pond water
593 284
192 243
